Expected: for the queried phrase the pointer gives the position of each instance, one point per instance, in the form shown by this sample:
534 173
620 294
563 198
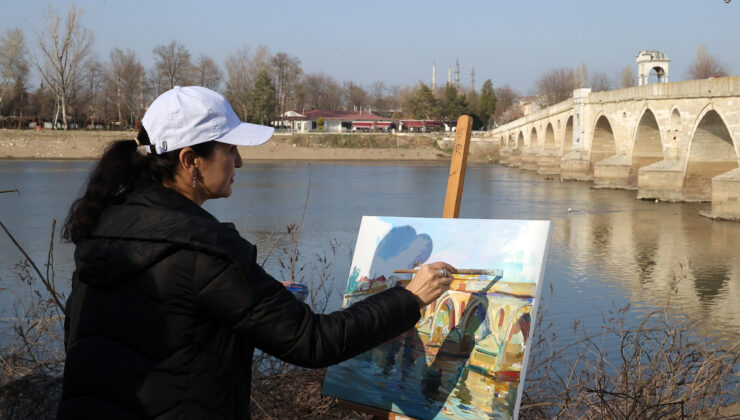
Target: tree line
78 87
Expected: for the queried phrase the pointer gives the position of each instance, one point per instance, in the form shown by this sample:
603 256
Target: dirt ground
56 144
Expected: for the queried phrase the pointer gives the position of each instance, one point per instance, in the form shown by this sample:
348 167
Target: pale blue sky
510 42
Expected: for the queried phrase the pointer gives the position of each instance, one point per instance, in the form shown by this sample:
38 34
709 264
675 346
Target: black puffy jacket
168 304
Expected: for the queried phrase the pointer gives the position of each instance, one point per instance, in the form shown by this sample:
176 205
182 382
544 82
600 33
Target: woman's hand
430 282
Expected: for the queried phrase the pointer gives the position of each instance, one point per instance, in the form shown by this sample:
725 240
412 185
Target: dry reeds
663 369
32 354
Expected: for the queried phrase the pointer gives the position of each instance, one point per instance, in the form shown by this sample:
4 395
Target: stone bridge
669 141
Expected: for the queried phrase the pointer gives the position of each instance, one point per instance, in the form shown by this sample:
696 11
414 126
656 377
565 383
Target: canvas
467 356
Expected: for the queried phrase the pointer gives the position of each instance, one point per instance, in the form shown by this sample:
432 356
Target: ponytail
121 170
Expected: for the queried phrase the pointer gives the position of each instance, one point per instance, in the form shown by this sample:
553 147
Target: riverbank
56 144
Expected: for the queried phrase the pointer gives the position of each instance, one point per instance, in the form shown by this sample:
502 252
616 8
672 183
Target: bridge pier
725 196
613 172
661 180
503 156
515 159
576 166
548 162
529 160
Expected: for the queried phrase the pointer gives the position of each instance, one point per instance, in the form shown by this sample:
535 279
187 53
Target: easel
451 211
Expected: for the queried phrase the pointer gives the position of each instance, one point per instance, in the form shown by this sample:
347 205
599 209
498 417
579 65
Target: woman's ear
187 159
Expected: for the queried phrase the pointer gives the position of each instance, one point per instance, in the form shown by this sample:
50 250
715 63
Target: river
607 248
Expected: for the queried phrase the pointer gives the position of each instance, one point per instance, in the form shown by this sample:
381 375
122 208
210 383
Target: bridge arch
534 138
549 137
520 140
603 143
711 152
647 144
568 135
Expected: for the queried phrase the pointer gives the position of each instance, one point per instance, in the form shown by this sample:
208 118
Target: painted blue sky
397 42
463 243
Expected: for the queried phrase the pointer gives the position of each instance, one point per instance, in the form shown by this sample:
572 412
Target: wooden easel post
457 167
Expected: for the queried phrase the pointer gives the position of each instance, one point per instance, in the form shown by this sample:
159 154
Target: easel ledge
451 210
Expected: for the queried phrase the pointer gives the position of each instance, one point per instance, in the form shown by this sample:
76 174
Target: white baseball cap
190 115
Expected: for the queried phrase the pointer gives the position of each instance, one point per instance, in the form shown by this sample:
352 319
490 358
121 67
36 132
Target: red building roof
315 114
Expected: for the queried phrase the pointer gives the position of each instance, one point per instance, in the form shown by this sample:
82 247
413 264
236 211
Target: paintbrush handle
468 271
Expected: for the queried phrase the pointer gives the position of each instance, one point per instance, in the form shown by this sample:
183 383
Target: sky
398 42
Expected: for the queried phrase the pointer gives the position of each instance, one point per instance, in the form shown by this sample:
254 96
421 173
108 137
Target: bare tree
320 91
287 73
242 71
356 96
627 77
394 98
706 65
126 77
172 63
63 52
13 70
377 96
207 73
505 97
600 81
556 86
92 87
239 81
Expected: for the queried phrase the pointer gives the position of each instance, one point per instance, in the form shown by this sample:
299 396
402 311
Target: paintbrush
464 271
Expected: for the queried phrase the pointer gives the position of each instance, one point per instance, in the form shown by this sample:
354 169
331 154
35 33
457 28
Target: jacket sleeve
257 306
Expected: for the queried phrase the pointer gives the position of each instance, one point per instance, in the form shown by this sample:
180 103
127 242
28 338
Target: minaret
434 77
457 73
472 78
449 74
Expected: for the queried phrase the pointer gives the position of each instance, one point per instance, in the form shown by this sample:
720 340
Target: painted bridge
669 141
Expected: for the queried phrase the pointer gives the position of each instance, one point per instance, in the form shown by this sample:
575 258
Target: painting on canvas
467 355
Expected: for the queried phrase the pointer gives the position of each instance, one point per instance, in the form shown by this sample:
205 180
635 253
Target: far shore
89 145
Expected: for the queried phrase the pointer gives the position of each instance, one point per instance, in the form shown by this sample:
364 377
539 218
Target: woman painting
168 303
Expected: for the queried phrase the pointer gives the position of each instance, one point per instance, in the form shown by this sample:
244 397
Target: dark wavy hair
121 169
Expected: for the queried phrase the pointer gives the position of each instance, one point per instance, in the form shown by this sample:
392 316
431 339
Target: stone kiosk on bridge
669 141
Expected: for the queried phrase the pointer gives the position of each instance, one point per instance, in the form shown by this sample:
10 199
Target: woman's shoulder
163 215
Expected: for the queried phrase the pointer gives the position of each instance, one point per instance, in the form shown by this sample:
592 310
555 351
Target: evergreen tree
263 105
455 103
487 103
422 103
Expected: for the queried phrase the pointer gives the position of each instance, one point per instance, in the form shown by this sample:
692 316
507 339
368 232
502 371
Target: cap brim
246 134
